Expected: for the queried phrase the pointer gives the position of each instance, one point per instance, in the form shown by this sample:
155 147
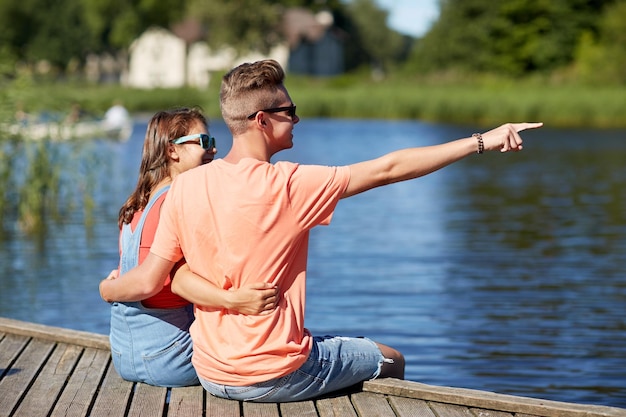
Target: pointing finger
523 126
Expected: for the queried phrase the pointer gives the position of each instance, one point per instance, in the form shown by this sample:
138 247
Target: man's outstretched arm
412 163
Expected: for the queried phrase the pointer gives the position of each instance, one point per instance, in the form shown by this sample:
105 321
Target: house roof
300 23
190 30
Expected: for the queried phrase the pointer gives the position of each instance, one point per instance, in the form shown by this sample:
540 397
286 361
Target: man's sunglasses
207 142
291 111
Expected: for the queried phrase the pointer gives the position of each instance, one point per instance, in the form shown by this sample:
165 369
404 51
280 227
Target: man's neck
245 146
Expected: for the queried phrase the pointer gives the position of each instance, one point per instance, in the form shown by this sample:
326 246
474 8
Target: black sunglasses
207 142
291 111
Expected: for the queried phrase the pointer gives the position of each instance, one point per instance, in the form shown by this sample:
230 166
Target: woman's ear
173 152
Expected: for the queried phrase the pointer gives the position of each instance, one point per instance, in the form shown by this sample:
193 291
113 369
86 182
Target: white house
202 61
161 59
157 60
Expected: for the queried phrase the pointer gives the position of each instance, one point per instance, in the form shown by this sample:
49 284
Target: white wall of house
201 61
157 60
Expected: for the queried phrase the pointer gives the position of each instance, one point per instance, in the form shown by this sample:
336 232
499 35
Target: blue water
502 272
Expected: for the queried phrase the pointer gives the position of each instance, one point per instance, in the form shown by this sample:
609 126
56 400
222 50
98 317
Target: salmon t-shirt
243 223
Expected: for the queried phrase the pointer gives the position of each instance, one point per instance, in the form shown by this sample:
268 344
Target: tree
380 45
61 31
601 57
242 24
49 30
116 23
510 37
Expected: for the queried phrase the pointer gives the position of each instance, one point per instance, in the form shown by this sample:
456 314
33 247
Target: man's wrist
480 145
230 301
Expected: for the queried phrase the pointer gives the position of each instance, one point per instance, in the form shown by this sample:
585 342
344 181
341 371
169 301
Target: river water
501 272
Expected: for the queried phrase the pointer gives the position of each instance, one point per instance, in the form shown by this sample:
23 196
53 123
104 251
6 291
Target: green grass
557 106
487 103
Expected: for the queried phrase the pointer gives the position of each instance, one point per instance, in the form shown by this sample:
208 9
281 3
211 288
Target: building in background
157 60
160 58
315 44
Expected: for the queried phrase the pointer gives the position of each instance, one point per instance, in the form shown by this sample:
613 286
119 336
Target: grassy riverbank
485 102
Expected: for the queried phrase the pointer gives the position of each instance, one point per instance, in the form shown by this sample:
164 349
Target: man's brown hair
248 88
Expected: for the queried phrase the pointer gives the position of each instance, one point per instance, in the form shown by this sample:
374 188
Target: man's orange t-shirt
243 223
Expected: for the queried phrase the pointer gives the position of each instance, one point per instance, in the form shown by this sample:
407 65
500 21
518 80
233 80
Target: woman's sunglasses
207 142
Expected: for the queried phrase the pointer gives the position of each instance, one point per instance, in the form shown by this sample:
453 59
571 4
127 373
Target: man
242 220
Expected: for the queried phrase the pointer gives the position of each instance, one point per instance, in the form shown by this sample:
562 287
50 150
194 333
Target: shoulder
319 172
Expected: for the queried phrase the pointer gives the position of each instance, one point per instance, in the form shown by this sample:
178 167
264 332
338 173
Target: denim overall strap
147 344
131 239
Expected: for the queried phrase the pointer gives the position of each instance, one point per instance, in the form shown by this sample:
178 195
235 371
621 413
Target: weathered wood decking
49 371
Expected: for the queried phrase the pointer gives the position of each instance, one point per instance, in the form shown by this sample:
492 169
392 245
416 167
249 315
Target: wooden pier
49 371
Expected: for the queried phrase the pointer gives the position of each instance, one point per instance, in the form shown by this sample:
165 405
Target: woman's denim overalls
150 345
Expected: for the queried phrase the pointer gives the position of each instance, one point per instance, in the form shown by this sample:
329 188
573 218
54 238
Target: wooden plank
410 407
370 404
489 413
260 409
113 396
298 409
186 402
23 371
57 334
489 400
35 372
148 401
43 395
78 395
10 348
335 407
450 410
221 407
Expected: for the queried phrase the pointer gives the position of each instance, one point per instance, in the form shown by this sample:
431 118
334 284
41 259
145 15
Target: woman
150 339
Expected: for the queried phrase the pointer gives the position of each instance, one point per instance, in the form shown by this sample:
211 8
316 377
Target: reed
38 189
48 183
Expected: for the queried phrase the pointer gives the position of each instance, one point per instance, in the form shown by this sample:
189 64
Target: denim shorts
152 345
333 364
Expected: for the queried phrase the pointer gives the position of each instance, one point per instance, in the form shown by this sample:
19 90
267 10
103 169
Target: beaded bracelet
481 144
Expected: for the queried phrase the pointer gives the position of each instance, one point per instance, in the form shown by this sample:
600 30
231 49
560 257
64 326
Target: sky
411 17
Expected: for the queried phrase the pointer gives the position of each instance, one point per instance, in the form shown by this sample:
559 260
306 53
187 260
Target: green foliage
242 24
95 26
7 62
51 30
380 45
116 23
601 58
509 37
485 101
38 193
251 24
